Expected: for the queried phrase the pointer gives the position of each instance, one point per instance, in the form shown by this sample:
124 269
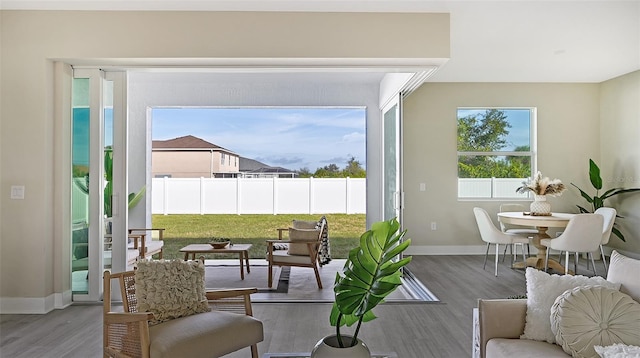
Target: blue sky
519 133
287 137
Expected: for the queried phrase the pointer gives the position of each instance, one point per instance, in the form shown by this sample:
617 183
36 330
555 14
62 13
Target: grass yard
182 230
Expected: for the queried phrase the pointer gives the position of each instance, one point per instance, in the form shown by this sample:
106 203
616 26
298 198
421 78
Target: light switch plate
17 192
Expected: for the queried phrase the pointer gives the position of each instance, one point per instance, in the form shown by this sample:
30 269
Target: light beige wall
620 153
568 135
32 39
183 164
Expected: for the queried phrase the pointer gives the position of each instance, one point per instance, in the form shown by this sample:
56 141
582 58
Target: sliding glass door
392 194
98 219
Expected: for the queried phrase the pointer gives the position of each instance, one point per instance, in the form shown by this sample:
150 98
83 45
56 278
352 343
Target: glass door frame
96 230
397 200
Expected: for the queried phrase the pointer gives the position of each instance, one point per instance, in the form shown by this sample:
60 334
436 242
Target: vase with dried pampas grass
541 187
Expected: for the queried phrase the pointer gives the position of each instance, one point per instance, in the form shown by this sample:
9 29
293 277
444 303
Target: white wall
619 159
35 119
568 135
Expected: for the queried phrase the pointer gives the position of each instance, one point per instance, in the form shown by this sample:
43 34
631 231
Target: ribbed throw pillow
584 317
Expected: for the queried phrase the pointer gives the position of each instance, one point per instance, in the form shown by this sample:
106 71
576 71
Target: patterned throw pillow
170 288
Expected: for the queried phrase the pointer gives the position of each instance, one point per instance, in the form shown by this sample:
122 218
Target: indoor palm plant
371 272
597 201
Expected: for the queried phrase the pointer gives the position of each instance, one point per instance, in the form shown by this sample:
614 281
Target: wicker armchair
227 328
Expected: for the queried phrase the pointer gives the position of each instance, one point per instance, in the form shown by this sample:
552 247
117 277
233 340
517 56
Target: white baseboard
63 300
27 305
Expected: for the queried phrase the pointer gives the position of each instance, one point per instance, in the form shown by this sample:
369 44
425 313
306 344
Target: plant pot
540 206
328 347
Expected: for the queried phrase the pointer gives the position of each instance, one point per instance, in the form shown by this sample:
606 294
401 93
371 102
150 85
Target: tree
354 169
486 133
304 172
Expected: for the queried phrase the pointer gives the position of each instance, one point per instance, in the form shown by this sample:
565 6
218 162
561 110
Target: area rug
223 276
298 284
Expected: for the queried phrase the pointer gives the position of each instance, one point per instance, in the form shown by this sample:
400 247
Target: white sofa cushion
624 270
587 316
542 291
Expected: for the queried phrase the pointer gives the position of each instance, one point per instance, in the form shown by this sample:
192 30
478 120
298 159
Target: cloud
353 137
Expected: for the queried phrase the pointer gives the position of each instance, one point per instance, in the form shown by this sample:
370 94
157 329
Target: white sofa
500 323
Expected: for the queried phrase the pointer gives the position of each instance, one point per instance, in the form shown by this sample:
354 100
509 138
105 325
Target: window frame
532 153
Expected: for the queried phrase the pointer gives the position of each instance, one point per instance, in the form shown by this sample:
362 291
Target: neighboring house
192 157
250 168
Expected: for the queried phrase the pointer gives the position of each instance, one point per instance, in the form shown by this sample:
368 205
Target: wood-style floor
411 330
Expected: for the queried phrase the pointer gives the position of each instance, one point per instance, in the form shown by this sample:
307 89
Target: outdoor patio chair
223 326
144 241
304 245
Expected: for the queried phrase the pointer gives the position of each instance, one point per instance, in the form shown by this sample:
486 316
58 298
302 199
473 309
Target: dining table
542 223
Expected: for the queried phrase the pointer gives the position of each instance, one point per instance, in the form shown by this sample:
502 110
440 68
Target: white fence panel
220 196
357 196
329 196
474 188
182 195
292 196
256 196
506 188
158 190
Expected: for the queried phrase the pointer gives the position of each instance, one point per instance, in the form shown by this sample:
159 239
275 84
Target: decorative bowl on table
219 243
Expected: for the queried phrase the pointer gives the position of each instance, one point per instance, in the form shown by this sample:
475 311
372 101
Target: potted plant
597 201
371 272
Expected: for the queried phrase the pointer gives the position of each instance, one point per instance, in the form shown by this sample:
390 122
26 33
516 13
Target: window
222 158
496 151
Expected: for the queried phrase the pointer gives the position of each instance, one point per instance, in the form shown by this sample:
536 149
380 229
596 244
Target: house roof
253 166
187 142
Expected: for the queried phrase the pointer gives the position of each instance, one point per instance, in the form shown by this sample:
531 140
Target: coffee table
241 249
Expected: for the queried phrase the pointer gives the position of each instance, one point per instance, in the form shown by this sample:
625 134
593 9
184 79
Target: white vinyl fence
498 188
258 196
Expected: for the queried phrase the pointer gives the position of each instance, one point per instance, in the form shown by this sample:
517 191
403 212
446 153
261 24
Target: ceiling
491 41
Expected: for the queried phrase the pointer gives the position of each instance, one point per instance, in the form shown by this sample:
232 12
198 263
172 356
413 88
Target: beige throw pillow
584 317
170 288
301 224
299 238
624 270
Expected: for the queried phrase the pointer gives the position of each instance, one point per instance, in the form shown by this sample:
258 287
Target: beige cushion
624 270
210 334
303 236
170 288
542 291
588 316
302 224
520 348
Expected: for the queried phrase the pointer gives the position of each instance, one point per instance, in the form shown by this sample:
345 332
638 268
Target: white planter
328 347
540 206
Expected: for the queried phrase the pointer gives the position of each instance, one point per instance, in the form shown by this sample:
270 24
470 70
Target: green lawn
182 230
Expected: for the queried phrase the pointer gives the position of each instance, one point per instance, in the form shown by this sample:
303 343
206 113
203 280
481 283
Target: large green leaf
370 274
594 175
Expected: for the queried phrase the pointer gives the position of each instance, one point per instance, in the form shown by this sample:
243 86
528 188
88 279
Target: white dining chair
525 231
582 234
609 215
491 235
